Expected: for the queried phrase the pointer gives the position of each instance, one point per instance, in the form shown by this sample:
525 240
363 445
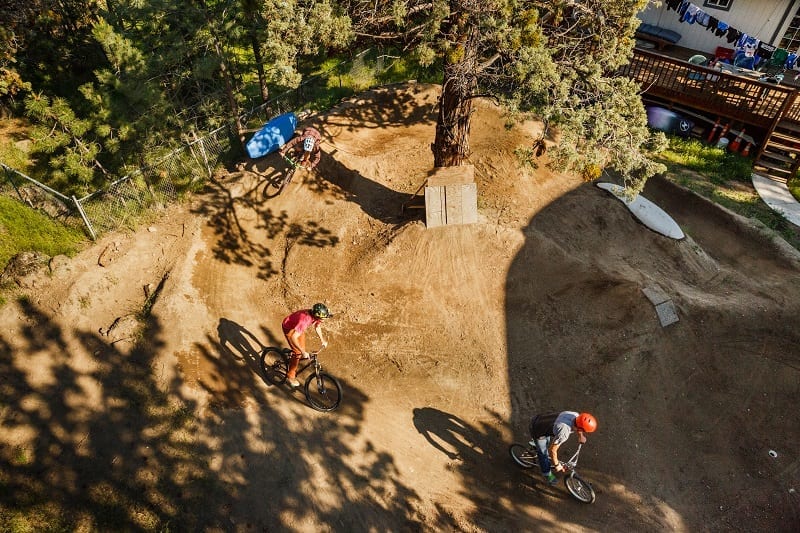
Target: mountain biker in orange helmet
549 431
308 153
294 328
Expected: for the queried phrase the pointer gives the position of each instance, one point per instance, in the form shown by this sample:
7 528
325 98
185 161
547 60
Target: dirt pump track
446 341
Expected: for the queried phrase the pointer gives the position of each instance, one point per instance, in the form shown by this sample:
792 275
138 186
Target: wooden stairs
779 157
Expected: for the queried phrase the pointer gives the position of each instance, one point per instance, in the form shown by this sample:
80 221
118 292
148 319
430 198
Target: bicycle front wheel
323 392
275 184
273 364
580 489
524 456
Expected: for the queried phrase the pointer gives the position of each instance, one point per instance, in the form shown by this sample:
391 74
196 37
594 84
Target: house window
718 4
791 37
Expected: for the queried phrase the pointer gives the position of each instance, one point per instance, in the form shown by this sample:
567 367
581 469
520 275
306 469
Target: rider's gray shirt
562 427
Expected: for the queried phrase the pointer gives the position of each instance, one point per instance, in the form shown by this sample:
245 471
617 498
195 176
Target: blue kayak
272 135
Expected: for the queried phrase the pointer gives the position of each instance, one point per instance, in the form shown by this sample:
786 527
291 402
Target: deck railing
736 97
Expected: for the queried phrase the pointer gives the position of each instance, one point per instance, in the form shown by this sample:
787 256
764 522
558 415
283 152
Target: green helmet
320 311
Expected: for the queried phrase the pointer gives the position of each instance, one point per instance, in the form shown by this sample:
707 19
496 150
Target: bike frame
572 462
313 362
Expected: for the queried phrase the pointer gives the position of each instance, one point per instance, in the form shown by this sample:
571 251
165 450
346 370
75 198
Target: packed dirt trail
446 341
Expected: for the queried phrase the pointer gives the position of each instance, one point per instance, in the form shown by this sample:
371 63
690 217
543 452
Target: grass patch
24 229
725 178
13 143
794 187
740 198
716 164
330 79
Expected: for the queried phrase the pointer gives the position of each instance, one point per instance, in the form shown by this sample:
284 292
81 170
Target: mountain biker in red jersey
549 431
308 153
294 328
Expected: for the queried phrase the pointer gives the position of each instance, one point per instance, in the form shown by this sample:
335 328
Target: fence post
85 218
11 181
202 144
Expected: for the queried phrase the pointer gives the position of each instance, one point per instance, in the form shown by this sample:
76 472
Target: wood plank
459 175
469 204
434 207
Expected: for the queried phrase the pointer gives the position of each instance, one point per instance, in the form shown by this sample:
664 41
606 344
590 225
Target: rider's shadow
450 434
237 341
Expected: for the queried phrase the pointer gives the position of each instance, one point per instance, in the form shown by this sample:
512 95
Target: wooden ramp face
451 196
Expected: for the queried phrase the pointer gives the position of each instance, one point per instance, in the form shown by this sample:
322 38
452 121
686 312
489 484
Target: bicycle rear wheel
324 392
273 364
580 489
524 456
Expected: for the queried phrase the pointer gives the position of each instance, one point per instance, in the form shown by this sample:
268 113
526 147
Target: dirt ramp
582 335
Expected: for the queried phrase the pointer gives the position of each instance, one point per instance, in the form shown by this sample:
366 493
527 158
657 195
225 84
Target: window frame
706 3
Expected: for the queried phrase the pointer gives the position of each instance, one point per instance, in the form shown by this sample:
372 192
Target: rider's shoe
293 383
551 479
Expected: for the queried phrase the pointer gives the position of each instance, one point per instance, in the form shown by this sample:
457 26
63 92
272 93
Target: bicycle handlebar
289 159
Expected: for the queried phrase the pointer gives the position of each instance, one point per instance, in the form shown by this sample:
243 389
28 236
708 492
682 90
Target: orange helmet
586 422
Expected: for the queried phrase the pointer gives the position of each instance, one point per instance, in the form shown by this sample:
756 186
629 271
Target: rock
39 199
24 268
108 254
124 328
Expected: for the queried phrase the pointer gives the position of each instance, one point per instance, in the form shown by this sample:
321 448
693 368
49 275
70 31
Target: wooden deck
770 112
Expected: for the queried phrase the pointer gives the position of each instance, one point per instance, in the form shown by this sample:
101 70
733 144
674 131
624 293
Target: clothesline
749 45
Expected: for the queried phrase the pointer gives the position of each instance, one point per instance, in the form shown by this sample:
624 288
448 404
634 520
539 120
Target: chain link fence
124 201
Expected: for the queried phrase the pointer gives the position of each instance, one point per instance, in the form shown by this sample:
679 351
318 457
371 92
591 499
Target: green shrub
794 186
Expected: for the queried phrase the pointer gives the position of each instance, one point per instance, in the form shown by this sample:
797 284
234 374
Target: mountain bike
525 456
275 184
323 391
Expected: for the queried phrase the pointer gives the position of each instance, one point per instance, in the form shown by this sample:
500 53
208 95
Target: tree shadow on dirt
388 106
101 439
375 199
224 203
98 443
297 461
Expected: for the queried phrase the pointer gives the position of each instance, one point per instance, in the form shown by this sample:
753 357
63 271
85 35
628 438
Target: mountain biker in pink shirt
308 153
549 431
294 328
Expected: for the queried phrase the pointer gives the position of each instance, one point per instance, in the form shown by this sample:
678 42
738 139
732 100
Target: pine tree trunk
259 59
226 74
451 145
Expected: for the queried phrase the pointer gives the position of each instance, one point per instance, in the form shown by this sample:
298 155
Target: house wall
763 19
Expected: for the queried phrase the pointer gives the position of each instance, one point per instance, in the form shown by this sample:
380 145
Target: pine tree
555 60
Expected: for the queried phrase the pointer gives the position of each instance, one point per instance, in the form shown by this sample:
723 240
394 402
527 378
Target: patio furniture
660 36
701 60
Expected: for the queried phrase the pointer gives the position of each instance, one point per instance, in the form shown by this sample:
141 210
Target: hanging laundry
712 24
791 59
673 4
765 51
747 40
722 28
702 18
690 15
733 35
